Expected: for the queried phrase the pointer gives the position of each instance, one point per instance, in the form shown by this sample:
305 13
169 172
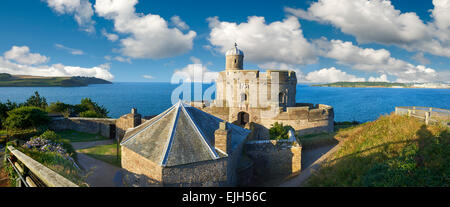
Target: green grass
311 141
106 153
391 151
57 163
75 136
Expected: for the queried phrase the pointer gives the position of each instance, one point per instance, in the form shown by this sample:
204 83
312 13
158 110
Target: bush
278 131
26 117
54 137
90 114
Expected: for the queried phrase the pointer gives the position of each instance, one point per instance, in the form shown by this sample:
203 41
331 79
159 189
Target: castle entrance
243 118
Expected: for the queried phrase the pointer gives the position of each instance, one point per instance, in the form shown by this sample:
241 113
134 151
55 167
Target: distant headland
383 85
8 80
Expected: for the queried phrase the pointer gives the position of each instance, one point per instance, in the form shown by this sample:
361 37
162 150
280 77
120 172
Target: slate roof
180 135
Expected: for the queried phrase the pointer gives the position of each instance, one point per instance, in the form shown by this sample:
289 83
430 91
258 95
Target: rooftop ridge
198 130
155 120
171 134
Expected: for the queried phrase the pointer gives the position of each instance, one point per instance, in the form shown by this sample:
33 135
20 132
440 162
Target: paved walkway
299 180
100 174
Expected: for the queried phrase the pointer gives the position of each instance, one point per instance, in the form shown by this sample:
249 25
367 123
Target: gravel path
312 162
100 174
84 145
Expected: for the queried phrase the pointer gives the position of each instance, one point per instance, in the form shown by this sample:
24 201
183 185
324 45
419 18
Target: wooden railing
428 114
32 173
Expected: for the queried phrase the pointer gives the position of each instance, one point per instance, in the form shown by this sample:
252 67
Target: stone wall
304 118
200 174
140 171
100 126
274 159
126 122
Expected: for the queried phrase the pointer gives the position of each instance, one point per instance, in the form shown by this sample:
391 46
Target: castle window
243 97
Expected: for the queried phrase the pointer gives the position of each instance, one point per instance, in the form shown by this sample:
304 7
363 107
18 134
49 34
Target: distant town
384 85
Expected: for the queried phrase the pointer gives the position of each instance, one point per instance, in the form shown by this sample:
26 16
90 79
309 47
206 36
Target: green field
362 84
391 151
74 136
106 153
7 80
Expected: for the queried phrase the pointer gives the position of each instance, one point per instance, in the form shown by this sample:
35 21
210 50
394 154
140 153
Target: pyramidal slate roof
180 135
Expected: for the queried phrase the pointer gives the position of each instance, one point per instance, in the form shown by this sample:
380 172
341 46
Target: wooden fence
428 114
32 173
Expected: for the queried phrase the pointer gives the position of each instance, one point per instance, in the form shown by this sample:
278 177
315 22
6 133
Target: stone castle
222 143
256 100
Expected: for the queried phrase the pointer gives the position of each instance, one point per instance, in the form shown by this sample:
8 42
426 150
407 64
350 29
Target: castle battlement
246 96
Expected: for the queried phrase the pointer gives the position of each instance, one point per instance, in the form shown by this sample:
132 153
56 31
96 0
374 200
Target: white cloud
24 67
111 37
149 35
196 72
122 59
421 58
70 50
148 77
330 75
378 21
277 42
371 60
22 55
382 78
81 9
180 24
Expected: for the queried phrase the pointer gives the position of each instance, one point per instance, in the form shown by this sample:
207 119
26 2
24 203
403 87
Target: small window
235 61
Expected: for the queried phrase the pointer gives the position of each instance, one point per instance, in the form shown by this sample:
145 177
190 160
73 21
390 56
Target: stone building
183 146
256 100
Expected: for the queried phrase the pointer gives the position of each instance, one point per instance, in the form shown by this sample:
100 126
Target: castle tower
234 59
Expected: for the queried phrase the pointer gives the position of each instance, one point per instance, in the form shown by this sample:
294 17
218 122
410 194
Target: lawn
311 141
391 151
106 153
74 136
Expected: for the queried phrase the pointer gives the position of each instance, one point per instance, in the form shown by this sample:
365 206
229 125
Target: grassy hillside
362 84
7 80
391 151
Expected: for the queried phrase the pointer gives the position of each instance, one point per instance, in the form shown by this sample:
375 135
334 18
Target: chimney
136 118
222 138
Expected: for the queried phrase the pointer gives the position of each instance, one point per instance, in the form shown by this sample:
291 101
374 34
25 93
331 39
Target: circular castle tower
234 59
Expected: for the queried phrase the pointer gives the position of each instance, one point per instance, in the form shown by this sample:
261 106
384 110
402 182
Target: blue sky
357 40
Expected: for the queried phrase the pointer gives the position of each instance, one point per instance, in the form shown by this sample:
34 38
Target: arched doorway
243 118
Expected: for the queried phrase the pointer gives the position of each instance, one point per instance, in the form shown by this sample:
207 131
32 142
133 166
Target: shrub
90 114
278 131
26 117
54 137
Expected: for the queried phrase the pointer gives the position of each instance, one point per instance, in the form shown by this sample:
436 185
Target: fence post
409 112
427 117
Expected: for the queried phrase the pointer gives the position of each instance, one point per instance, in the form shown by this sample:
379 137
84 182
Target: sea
350 104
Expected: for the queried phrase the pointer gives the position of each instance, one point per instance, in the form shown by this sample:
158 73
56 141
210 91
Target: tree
26 117
62 108
88 105
37 101
278 131
4 108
